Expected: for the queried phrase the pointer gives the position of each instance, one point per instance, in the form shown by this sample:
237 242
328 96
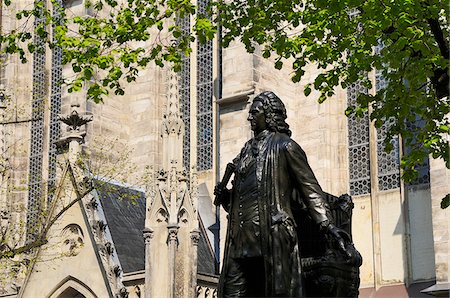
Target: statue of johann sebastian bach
261 251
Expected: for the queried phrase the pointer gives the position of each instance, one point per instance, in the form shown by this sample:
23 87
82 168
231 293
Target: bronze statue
272 182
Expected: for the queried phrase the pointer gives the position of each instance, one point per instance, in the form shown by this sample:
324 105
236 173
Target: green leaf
349 111
31 47
444 128
88 72
76 67
445 201
278 64
307 90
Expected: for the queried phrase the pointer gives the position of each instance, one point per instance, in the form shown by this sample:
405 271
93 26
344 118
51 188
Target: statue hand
335 233
218 189
222 195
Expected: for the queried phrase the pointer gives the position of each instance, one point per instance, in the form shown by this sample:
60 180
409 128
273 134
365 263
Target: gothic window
205 91
387 163
55 110
359 149
204 102
358 141
37 132
184 90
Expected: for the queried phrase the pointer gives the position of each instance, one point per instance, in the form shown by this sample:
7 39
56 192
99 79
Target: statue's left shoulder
289 144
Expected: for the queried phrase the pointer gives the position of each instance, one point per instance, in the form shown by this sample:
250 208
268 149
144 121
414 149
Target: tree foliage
108 46
407 41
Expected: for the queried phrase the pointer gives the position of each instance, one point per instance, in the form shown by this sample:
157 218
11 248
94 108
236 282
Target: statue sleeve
306 183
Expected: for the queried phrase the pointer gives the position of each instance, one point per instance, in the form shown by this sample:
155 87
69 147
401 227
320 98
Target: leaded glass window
205 91
358 141
185 94
388 163
37 133
55 109
424 168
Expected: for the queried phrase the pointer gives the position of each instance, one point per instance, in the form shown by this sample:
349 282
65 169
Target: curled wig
275 112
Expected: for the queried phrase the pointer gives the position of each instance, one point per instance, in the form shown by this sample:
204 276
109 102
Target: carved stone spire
172 127
172 211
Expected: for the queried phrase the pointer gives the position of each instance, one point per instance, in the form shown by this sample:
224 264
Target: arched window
71 293
71 287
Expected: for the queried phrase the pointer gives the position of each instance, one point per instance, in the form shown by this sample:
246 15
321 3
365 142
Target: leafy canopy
108 46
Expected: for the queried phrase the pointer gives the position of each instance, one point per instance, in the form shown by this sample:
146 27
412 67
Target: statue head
274 112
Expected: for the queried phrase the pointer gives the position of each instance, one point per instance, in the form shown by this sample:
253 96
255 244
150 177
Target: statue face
256 117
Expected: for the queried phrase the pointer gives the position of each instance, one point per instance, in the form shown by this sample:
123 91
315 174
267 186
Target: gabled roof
124 210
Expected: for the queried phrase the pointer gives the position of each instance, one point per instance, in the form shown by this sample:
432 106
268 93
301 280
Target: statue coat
281 168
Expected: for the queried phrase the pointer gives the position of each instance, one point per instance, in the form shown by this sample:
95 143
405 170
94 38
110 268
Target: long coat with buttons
281 168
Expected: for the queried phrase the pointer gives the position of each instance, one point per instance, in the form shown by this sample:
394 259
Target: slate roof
124 210
206 262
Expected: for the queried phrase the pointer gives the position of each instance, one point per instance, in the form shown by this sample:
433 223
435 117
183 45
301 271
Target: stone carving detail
183 216
117 270
173 122
162 175
206 292
92 204
72 240
148 235
173 234
162 216
109 248
194 188
137 291
168 204
75 122
106 248
151 188
195 237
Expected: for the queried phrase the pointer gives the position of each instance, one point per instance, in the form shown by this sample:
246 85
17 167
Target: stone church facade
161 236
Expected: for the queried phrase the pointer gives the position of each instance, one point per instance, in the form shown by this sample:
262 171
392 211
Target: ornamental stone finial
74 121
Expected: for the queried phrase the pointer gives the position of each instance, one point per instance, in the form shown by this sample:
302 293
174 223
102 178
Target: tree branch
8 252
63 210
439 36
440 78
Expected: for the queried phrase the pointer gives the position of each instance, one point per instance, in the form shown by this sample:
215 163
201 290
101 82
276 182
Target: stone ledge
235 98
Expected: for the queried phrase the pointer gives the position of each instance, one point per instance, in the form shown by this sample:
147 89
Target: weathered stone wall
16 117
440 186
133 121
